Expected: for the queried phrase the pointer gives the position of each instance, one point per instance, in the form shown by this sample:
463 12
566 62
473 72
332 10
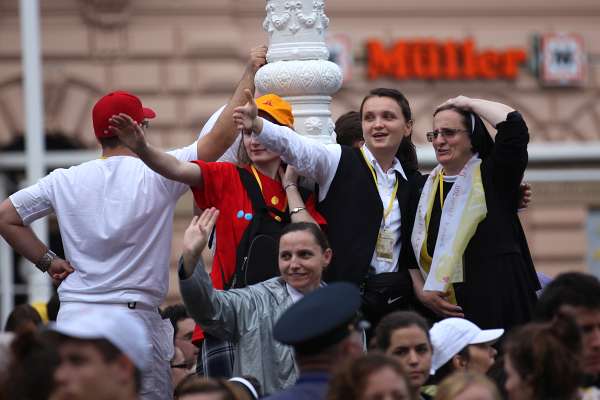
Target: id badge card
385 245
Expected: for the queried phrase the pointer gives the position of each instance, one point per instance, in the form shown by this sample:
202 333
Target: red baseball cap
116 103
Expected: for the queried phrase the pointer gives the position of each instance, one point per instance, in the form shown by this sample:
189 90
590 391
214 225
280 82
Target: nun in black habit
471 254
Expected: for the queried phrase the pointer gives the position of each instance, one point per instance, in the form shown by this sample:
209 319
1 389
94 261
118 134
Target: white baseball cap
122 329
247 385
451 335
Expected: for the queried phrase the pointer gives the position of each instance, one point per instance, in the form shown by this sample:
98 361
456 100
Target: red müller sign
436 60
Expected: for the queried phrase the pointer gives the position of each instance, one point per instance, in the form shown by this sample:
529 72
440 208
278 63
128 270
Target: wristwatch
44 263
296 210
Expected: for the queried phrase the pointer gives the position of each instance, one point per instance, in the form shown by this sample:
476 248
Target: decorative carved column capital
295 78
298 68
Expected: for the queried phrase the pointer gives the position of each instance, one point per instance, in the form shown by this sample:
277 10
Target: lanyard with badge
384 248
441 176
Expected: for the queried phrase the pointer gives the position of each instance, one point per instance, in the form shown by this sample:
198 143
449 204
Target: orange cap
277 108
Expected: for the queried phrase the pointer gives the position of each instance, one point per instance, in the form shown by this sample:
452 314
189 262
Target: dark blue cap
320 319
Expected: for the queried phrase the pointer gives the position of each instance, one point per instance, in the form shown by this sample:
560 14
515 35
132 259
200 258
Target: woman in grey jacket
246 316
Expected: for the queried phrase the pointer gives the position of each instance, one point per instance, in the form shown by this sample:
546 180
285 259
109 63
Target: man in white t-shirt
116 221
115 217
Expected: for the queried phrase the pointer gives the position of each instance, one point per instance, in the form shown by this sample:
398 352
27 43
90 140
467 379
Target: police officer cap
320 319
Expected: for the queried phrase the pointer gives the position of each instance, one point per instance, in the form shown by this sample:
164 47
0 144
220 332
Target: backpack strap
252 188
256 253
261 216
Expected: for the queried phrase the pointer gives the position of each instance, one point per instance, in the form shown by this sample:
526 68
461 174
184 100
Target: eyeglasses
447 133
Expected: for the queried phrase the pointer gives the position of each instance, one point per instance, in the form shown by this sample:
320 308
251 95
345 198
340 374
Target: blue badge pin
240 214
248 216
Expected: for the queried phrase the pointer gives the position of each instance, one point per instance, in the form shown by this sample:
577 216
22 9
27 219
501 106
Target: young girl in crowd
404 335
460 346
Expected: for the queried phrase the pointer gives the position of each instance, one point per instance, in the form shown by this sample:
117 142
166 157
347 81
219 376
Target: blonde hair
242 154
458 382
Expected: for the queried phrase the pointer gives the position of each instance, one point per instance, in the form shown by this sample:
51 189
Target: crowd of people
309 271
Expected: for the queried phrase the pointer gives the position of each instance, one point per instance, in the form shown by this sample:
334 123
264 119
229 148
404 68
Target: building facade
184 57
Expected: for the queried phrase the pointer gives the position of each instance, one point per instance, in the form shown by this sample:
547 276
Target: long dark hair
406 153
350 381
547 355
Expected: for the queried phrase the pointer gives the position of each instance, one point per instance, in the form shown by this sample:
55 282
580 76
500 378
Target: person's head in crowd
404 335
102 354
542 360
457 135
322 330
348 129
179 367
460 345
578 295
195 387
115 103
372 376
304 253
183 327
248 384
274 109
23 317
387 125
32 360
467 386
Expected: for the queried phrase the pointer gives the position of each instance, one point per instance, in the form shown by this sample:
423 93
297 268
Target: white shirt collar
450 178
396 166
294 294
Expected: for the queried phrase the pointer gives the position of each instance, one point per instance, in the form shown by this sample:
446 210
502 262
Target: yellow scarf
464 208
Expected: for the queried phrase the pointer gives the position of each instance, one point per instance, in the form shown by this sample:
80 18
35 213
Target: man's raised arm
212 146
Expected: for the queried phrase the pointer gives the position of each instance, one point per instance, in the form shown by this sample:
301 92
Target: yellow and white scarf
464 208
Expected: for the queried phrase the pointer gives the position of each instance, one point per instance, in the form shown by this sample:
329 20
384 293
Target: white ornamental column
298 68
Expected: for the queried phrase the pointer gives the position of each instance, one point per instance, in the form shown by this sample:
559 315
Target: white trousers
156 378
